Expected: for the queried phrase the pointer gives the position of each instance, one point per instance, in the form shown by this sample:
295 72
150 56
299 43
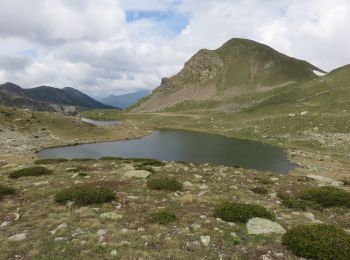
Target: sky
104 47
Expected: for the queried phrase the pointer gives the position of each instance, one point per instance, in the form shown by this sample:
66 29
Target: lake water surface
186 146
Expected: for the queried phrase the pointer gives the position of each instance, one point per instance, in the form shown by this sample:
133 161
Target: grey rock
138 174
256 226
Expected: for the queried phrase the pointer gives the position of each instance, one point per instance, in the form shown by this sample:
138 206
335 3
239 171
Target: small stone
304 113
219 220
205 240
273 195
193 246
59 228
258 226
57 239
195 226
291 115
77 232
111 215
204 187
102 232
114 252
231 224
309 216
5 224
141 229
39 183
198 176
188 185
18 237
2 163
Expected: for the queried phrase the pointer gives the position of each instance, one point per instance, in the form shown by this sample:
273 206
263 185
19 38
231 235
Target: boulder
138 174
2 163
325 180
18 237
257 226
205 240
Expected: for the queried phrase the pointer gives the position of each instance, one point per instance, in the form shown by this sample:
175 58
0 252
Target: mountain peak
240 67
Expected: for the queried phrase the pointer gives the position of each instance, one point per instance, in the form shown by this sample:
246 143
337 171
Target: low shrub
4 190
241 212
259 190
318 241
264 180
147 162
30 171
294 203
82 159
162 217
85 194
164 183
110 158
50 161
327 196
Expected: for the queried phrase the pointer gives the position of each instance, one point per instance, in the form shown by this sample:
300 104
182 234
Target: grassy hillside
227 79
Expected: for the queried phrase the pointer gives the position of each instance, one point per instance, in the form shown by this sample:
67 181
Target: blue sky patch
169 20
32 53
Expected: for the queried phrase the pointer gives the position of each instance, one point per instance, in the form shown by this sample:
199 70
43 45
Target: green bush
241 212
82 159
318 241
259 190
147 162
50 161
4 190
85 195
294 203
110 158
164 183
30 171
162 217
327 196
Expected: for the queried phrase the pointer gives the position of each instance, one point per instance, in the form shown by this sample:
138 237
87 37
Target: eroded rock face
257 226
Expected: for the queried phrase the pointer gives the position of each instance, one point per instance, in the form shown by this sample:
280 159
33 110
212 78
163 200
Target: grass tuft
162 217
50 161
164 183
85 194
327 196
241 212
5 190
318 241
30 171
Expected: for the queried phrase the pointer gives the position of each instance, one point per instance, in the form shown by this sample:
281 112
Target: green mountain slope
227 79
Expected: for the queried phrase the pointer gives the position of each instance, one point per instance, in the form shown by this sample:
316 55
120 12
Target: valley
142 208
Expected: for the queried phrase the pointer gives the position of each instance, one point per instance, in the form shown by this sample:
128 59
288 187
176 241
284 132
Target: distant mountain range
126 100
46 98
233 77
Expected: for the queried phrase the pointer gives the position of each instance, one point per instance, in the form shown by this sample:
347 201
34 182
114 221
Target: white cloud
88 44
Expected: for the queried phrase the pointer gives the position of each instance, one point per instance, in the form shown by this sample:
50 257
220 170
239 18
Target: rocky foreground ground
34 225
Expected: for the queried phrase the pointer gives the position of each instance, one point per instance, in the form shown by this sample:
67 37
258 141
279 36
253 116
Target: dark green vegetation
85 195
30 171
162 217
241 212
318 241
259 190
50 161
327 196
295 203
5 190
164 183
